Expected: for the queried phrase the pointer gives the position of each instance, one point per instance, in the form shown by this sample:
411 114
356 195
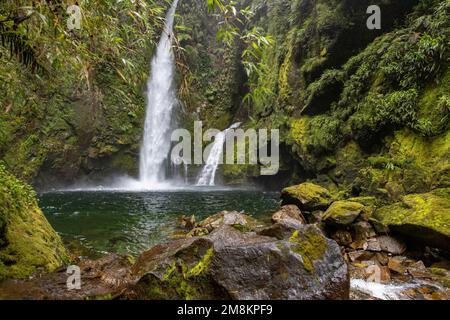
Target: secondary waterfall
208 174
161 100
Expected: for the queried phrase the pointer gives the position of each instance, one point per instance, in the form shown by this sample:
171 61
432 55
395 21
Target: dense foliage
69 97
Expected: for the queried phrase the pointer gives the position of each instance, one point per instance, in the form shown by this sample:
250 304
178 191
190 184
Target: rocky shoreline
317 247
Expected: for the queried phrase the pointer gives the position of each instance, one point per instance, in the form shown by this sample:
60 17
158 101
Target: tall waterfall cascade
161 101
208 175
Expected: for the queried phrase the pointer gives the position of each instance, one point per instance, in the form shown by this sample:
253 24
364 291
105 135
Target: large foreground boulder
231 264
28 244
307 196
424 217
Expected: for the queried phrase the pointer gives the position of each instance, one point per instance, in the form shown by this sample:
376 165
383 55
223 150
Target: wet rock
391 245
363 230
289 212
188 223
360 255
342 237
375 272
424 217
379 227
230 218
372 245
343 212
106 278
282 230
359 244
382 258
229 264
418 270
396 264
197 232
307 196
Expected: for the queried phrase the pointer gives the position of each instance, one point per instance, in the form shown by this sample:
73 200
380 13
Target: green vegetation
310 244
69 97
421 216
28 244
180 280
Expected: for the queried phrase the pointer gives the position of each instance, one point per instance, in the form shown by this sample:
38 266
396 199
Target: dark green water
94 223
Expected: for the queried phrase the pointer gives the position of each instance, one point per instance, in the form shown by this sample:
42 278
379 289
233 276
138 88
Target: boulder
281 230
235 219
289 212
391 245
343 212
28 244
397 264
230 264
103 279
307 196
372 245
188 223
363 230
342 237
424 217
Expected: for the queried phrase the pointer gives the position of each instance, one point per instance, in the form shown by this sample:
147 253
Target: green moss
434 108
179 279
107 296
29 244
202 265
425 160
427 212
310 244
307 195
343 212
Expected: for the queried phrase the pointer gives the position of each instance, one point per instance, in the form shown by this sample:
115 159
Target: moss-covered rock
425 217
307 196
230 218
230 264
28 244
343 212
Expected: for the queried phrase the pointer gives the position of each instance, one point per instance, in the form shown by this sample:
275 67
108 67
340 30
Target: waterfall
161 100
208 174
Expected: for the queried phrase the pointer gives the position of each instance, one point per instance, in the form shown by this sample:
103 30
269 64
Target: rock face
28 244
230 264
425 217
343 212
307 196
290 213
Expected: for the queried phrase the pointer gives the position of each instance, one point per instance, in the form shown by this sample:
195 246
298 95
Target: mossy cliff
364 113
28 244
347 106
211 77
78 110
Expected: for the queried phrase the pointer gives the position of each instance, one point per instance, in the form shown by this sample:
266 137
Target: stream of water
208 174
161 101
